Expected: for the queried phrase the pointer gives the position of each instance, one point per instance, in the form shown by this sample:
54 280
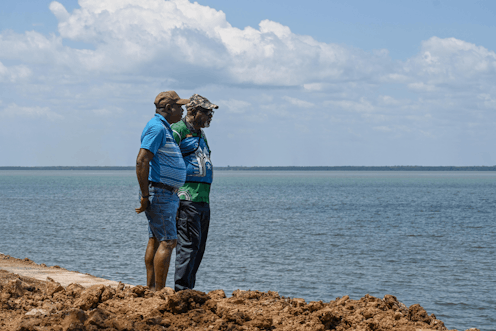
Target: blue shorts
161 214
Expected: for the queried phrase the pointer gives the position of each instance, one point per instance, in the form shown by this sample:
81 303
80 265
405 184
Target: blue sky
298 83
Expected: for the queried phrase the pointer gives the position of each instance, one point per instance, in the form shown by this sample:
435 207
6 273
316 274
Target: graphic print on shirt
196 154
202 162
184 195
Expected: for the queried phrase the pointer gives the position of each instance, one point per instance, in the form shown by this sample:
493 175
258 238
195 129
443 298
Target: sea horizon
278 168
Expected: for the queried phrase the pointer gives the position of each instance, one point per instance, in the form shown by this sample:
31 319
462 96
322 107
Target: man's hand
142 170
144 204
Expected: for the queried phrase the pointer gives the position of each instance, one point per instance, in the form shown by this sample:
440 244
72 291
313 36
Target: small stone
29 324
418 314
107 294
369 313
74 290
315 306
96 317
90 297
298 302
37 312
53 287
16 288
74 321
217 294
139 290
165 292
342 301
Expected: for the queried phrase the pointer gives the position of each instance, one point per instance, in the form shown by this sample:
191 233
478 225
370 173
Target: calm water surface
425 237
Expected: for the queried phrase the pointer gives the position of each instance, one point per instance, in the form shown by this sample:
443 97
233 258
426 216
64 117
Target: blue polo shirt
167 165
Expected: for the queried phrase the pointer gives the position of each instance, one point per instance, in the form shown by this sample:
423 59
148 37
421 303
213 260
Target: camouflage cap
198 101
169 97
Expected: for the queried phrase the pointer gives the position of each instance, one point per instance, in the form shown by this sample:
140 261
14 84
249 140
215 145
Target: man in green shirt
193 217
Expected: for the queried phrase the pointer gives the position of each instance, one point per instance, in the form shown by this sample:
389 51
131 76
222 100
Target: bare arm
142 171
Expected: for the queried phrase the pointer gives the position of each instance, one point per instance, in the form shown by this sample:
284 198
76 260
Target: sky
314 83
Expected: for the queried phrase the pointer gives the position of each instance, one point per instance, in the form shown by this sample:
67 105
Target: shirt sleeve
153 138
177 137
176 131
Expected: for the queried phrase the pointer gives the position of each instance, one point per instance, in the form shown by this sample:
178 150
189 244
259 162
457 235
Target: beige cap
169 97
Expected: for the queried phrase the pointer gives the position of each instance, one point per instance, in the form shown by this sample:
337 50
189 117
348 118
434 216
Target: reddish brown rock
74 320
418 314
53 287
90 297
35 305
217 294
74 290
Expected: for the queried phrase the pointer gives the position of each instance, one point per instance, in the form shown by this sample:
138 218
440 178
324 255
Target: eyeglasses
207 111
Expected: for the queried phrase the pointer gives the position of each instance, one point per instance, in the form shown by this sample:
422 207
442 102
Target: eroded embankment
28 304
33 304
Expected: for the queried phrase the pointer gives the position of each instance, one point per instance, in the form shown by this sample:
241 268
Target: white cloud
313 86
486 101
108 111
13 110
450 62
59 11
234 106
421 86
179 39
361 106
389 100
263 75
13 74
298 102
195 45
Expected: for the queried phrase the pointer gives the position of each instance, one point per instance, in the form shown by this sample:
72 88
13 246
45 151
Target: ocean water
425 237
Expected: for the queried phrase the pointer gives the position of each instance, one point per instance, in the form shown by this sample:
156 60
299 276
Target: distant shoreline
287 168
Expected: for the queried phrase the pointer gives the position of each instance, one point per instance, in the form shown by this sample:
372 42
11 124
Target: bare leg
161 262
151 248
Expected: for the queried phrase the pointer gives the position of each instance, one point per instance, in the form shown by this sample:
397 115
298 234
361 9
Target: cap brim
210 106
182 102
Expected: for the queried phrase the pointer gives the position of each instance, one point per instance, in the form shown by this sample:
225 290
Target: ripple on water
426 238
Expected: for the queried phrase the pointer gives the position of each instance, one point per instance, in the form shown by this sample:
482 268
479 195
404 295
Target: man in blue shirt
161 171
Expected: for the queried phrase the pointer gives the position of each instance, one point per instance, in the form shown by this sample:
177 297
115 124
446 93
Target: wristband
145 196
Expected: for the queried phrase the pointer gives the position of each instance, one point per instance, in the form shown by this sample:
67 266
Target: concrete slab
28 268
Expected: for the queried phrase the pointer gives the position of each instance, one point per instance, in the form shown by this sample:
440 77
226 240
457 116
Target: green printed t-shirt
190 191
197 192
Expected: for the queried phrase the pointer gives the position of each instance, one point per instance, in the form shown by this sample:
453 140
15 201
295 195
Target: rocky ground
30 304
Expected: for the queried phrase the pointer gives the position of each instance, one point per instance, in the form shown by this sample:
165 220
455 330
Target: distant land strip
276 168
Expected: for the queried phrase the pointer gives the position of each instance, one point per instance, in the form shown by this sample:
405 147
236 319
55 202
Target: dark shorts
161 214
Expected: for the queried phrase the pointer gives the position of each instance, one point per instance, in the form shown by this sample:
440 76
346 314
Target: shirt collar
161 118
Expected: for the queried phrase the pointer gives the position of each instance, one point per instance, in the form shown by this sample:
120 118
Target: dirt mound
28 305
